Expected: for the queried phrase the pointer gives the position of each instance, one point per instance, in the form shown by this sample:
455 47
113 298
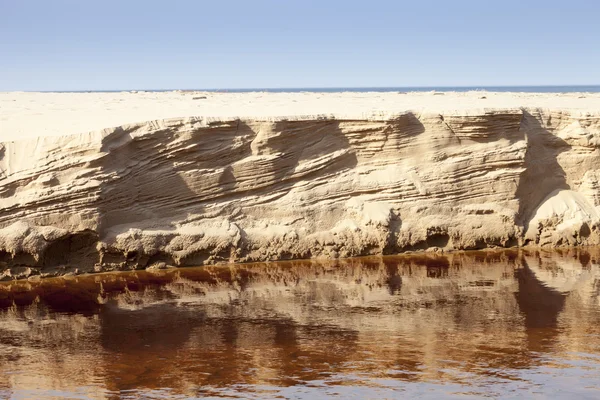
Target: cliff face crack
449 128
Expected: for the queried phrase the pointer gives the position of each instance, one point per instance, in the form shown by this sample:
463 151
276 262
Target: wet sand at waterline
507 324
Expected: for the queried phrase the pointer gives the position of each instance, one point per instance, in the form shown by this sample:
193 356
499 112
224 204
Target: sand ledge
365 175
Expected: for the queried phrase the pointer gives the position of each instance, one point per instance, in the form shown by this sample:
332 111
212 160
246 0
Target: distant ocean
524 89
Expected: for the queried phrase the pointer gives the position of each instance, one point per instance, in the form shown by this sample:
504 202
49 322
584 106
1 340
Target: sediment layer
201 190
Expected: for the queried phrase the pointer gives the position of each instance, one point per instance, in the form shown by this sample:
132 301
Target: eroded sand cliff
370 174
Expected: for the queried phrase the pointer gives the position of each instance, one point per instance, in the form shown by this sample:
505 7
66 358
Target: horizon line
308 88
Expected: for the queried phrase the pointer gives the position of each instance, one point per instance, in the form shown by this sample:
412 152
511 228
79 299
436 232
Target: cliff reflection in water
498 323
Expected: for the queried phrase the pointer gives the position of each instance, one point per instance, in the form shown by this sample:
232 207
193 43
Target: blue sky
131 44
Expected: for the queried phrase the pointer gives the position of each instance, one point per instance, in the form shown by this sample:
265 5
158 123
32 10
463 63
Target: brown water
499 324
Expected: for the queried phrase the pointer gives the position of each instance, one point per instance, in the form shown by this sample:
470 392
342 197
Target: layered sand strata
100 181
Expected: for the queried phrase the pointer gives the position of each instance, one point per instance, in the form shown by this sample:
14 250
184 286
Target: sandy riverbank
104 181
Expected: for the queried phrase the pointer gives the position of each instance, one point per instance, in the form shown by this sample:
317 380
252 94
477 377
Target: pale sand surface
29 114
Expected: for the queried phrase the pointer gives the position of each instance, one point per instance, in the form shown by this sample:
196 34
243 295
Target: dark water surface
507 324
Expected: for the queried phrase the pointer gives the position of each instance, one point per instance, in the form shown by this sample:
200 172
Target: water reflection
506 323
